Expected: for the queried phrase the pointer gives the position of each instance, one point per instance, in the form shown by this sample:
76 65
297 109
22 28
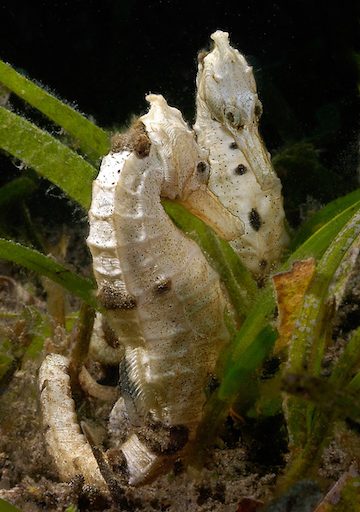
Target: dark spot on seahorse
233 145
163 439
113 297
255 219
240 169
135 139
163 286
201 167
109 335
263 264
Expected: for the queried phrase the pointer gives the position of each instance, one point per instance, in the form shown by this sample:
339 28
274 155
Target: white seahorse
241 174
161 298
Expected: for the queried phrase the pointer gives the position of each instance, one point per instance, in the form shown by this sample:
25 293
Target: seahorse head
184 167
184 164
226 83
227 94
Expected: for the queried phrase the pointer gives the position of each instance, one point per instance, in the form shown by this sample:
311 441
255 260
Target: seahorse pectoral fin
205 205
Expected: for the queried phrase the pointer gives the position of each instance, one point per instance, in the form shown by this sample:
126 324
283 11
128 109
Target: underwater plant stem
260 313
15 190
309 338
80 345
46 266
355 383
323 216
247 338
215 416
239 375
306 458
82 335
34 235
240 284
94 141
348 362
47 156
342 401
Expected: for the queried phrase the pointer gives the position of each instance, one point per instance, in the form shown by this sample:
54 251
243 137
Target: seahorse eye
230 117
235 119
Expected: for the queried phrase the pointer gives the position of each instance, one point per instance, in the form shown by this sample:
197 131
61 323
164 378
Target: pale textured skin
228 111
66 444
99 349
172 338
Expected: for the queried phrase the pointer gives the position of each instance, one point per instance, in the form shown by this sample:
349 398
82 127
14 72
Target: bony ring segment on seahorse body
65 442
241 173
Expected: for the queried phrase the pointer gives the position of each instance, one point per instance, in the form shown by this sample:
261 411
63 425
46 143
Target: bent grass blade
47 156
94 141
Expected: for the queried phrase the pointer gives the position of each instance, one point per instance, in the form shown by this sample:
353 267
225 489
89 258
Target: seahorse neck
143 230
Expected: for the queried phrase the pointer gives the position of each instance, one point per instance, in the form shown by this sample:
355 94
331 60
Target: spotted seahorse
241 173
161 297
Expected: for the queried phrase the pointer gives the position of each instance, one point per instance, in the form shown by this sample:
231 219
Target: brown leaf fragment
290 289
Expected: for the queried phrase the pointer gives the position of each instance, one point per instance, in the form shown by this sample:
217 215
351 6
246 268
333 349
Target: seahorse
161 298
241 173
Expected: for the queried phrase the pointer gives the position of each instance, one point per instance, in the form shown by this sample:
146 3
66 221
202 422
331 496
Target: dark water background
104 56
